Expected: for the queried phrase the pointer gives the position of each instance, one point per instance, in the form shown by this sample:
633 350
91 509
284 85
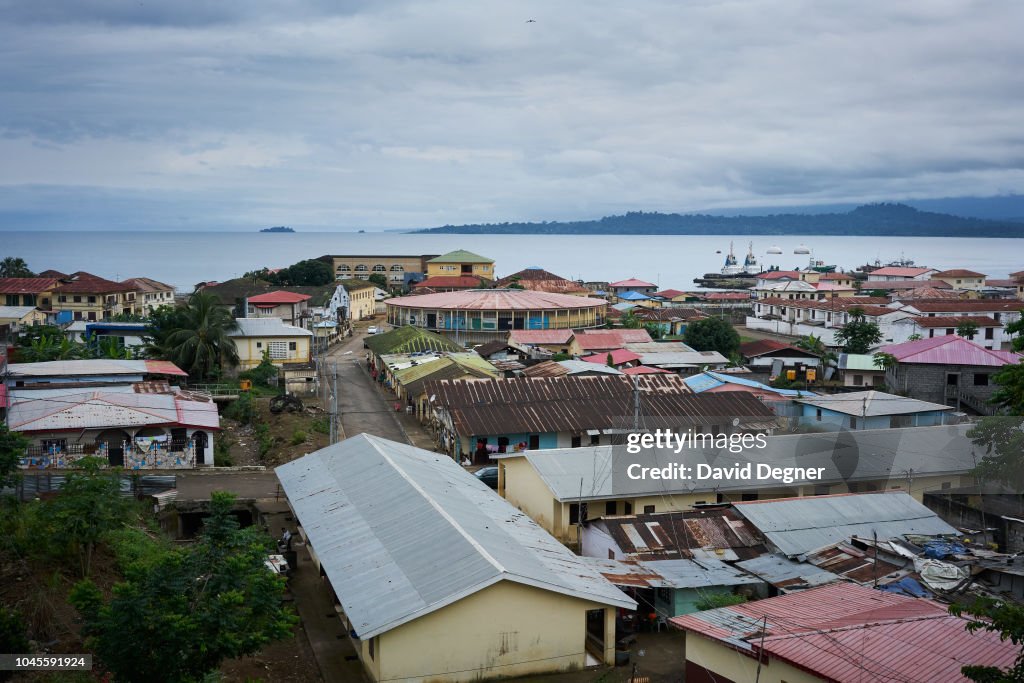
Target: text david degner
668 440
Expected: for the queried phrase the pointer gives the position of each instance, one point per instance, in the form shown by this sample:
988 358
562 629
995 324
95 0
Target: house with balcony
28 291
1000 311
949 370
291 307
898 274
618 289
140 426
961 279
801 318
84 296
288 347
149 295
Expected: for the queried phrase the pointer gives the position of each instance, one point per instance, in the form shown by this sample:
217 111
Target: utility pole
760 649
335 405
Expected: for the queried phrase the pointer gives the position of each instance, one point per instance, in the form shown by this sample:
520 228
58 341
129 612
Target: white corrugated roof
872 403
267 327
402 532
797 526
57 409
16 312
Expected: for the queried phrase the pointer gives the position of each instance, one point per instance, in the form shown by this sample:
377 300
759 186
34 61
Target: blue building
871 410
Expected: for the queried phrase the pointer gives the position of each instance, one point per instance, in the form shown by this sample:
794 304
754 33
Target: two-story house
961 279
291 307
461 263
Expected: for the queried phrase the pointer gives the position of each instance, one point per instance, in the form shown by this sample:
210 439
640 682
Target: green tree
609 361
1016 328
858 335
1010 394
1003 618
814 344
712 334
380 280
915 337
200 344
89 506
12 448
308 273
112 347
881 293
163 322
15 266
629 320
654 330
967 329
1003 441
13 636
191 608
884 361
42 348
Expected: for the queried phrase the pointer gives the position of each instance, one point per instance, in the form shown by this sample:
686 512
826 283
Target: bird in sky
531 21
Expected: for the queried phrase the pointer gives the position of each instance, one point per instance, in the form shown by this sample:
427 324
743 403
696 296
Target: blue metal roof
633 296
710 380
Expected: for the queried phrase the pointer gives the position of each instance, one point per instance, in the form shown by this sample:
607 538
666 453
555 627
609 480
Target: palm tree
816 346
199 343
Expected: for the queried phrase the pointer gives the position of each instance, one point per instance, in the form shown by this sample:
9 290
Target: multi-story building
362 300
84 296
962 279
291 307
148 295
398 269
28 291
461 263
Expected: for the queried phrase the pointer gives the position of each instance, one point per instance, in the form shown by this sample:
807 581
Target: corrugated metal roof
576 403
858 361
711 380
680 535
26 285
540 336
618 357
786 574
402 532
631 282
797 526
15 312
496 300
900 271
872 403
409 339
460 256
96 366
540 280
850 456
267 327
854 564
949 350
683 358
76 409
670 573
279 297
656 346
644 370
917 641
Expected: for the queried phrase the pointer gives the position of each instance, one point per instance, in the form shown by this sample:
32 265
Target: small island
279 228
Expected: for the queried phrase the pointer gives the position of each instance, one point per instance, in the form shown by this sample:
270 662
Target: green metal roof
860 361
460 256
410 339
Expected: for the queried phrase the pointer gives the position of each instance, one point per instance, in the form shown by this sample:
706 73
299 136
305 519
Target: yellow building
436 576
147 295
21 316
361 297
1018 279
284 343
961 279
461 262
396 268
28 291
550 485
90 297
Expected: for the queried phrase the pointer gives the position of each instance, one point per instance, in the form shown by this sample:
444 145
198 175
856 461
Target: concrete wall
728 665
505 630
250 350
927 382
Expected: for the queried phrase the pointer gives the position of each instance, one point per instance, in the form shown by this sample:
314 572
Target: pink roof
632 282
496 300
611 339
619 356
461 281
949 350
900 271
836 276
4 403
779 275
727 296
540 336
668 293
645 370
164 367
279 297
828 286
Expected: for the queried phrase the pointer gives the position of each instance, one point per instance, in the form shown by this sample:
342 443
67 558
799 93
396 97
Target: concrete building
290 307
870 410
21 316
838 632
859 370
950 370
761 355
136 426
28 291
487 314
284 343
84 296
539 280
961 279
398 269
617 289
556 487
94 372
989 335
362 301
898 274
461 263
436 577
149 295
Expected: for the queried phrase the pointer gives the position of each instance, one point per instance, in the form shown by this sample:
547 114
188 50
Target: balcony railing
165 455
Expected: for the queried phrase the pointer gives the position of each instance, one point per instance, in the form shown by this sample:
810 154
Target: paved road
364 407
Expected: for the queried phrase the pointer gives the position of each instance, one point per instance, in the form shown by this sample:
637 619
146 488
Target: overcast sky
264 112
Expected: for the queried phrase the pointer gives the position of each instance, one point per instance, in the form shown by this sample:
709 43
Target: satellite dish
432 397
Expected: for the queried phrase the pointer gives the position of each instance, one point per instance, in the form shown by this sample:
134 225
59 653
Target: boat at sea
802 249
774 249
733 274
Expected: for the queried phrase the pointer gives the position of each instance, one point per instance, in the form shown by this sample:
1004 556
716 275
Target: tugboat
733 275
731 266
750 266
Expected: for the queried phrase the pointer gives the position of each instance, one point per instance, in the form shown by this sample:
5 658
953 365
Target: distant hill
870 219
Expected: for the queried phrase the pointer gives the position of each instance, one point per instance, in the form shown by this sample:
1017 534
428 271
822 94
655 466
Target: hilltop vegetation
870 219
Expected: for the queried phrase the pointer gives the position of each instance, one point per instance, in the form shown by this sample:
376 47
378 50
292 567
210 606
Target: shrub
321 425
242 410
715 600
298 437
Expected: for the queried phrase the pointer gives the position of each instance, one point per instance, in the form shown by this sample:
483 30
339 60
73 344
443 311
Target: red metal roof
619 356
450 282
669 293
898 271
540 336
916 641
962 305
954 320
26 285
591 340
645 370
836 276
632 282
279 297
87 283
779 275
958 272
164 367
497 300
949 350
763 347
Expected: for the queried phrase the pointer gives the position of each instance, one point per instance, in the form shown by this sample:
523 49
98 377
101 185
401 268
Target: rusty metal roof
703 573
852 563
674 535
576 403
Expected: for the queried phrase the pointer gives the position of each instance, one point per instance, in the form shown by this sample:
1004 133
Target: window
989 333
946 485
278 349
980 379
648 509
577 441
574 513
817 414
292 346
92 299
397 269
379 268
611 554
595 439
344 269
627 508
858 380
853 422
534 442
950 330
77 299
361 268
609 507
372 646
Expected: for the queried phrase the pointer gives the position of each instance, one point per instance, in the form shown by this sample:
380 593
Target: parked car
372 329
488 475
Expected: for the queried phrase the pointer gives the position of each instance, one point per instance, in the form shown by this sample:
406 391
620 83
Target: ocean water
183 259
